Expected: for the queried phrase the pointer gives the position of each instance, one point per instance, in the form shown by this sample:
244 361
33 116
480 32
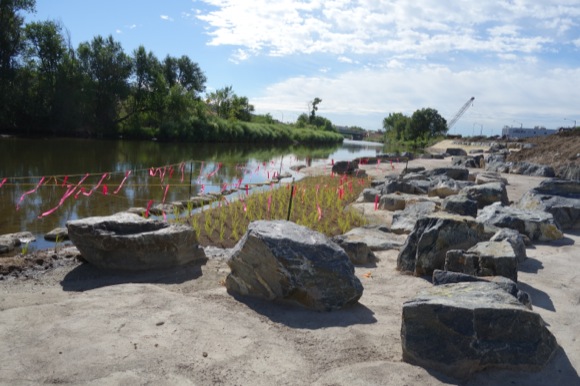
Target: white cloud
387 27
166 18
118 31
502 94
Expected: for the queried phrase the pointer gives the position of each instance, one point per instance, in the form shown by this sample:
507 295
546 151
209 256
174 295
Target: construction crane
461 111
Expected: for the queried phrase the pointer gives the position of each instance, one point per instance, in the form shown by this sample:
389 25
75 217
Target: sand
83 326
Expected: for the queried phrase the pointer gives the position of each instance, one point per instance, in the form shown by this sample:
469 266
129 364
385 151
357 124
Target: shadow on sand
559 371
539 297
298 317
87 277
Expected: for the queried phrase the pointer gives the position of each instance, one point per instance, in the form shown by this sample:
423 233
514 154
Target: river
46 182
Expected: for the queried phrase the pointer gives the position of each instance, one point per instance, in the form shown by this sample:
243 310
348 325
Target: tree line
97 90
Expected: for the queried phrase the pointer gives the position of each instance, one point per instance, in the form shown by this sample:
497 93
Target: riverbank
79 325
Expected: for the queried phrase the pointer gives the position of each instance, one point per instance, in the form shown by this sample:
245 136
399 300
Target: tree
107 69
43 55
427 123
11 45
314 106
396 125
423 124
226 104
184 72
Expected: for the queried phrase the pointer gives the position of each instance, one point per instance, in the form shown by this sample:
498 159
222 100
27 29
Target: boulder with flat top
463 328
127 241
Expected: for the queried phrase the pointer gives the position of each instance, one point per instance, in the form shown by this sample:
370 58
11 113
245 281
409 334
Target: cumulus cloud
503 94
381 27
400 56
166 18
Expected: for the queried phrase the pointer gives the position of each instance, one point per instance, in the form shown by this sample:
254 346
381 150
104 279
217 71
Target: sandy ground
174 327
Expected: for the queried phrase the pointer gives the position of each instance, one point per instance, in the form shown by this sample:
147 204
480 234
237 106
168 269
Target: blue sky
520 59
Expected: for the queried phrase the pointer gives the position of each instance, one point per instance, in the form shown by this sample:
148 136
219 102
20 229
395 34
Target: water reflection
159 172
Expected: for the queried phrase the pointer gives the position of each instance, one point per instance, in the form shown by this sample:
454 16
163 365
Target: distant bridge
352 134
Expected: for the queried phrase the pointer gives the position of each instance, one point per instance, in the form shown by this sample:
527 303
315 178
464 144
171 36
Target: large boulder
444 187
345 167
130 242
280 260
486 258
530 169
448 277
370 194
399 201
487 177
456 173
398 186
561 198
486 194
431 238
377 238
461 205
460 329
404 220
537 225
456 151
515 238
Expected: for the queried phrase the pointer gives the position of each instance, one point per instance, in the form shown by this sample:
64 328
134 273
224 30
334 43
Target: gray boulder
127 241
358 252
487 258
498 166
495 157
460 329
404 220
399 201
486 194
370 194
377 238
461 205
456 151
530 169
561 198
447 277
10 241
57 234
397 186
535 224
569 171
444 187
488 176
431 238
516 239
345 167
280 260
456 173
413 169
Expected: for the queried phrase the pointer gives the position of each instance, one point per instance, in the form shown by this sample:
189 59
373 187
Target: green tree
107 69
185 72
314 108
226 104
395 126
11 45
44 53
427 123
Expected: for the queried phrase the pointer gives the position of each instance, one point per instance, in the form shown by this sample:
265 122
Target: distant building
519 132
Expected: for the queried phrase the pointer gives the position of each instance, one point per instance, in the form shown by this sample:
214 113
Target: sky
519 59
